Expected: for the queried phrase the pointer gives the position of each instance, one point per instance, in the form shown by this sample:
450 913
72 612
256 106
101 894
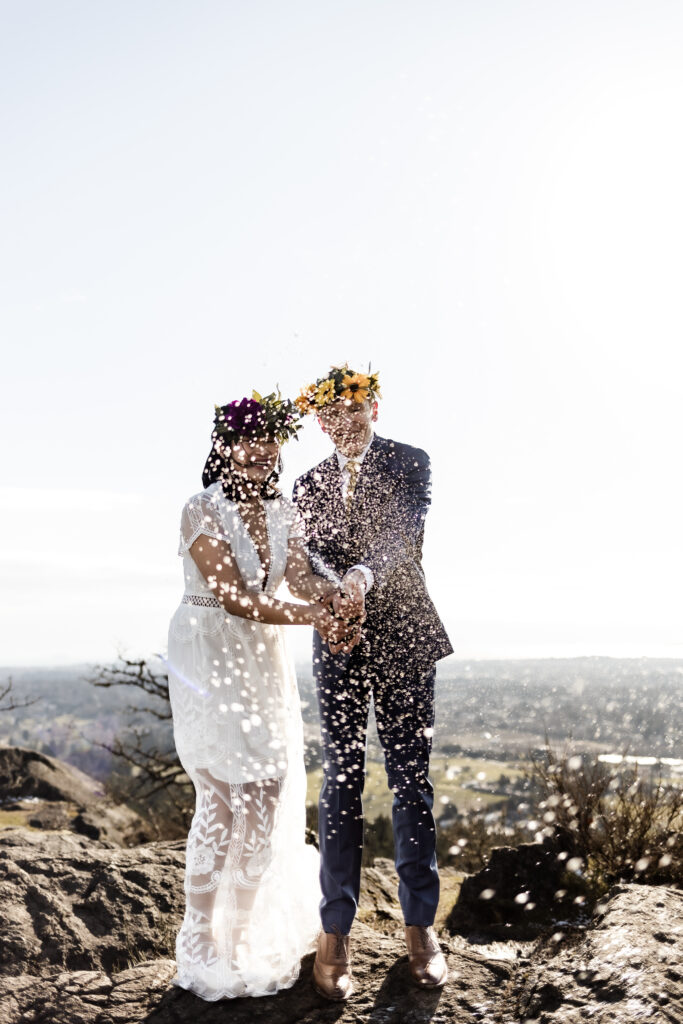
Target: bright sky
482 199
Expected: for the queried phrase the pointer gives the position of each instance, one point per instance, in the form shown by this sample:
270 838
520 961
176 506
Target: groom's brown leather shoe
427 962
332 975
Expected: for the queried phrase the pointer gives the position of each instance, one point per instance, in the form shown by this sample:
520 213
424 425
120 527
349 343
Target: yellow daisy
325 393
304 401
356 387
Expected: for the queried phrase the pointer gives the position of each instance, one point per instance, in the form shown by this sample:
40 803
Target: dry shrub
467 843
626 825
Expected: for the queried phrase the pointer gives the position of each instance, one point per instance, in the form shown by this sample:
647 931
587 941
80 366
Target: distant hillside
496 709
70 715
502 708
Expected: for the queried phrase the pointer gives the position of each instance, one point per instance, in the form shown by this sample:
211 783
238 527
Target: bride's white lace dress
251 883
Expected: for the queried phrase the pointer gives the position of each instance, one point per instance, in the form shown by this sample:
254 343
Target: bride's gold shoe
332 975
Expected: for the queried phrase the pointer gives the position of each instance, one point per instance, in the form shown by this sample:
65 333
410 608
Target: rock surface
56 795
378 903
509 898
90 928
627 967
27 773
72 903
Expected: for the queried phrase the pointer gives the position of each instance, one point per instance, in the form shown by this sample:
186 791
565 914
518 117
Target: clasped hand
341 628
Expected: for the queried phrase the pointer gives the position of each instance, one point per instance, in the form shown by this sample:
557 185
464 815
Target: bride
251 883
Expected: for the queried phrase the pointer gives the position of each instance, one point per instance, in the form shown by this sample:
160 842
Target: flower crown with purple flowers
257 417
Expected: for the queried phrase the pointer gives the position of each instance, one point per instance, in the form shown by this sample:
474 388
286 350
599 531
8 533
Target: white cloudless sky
483 200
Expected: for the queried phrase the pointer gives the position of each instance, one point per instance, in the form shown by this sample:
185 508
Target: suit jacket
383 530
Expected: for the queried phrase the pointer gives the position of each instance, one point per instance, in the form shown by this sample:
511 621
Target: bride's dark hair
219 469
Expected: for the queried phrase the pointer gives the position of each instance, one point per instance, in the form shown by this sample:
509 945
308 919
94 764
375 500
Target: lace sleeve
200 515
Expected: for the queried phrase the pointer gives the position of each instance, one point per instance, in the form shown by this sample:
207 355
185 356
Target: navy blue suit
394 664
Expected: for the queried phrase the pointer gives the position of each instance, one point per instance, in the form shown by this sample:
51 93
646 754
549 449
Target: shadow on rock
399 1000
295 1005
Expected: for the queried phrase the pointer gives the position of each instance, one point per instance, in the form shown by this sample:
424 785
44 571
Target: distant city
499 710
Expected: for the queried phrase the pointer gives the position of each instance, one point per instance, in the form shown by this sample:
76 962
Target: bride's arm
301 580
305 584
215 561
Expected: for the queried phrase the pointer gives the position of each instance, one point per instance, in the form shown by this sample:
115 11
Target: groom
363 510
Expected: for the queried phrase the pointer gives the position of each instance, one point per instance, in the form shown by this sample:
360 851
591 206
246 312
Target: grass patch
451 777
9 819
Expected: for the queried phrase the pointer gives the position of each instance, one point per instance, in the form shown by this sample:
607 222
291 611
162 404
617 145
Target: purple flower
244 417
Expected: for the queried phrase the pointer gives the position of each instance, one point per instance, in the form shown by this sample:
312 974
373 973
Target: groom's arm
303 582
302 500
405 519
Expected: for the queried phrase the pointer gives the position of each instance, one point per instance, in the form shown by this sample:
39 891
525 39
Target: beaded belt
202 600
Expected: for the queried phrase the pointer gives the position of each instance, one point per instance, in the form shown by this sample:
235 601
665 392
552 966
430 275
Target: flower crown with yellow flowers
341 382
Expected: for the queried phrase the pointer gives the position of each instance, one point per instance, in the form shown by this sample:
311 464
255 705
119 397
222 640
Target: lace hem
202 984
244 932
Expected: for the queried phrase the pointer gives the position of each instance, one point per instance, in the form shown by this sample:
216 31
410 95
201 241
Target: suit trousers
404 712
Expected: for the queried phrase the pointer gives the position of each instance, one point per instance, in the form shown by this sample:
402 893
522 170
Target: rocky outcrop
89 933
627 967
55 795
384 995
71 903
27 773
519 891
86 997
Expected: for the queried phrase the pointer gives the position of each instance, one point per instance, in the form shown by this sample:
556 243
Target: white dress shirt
345 477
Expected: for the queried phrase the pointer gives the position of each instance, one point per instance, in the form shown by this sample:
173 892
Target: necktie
354 469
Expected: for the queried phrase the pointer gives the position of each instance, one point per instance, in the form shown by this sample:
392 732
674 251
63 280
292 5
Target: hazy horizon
451 662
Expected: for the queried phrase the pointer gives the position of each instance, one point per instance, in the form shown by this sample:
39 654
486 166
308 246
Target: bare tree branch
12 703
127 672
148 751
